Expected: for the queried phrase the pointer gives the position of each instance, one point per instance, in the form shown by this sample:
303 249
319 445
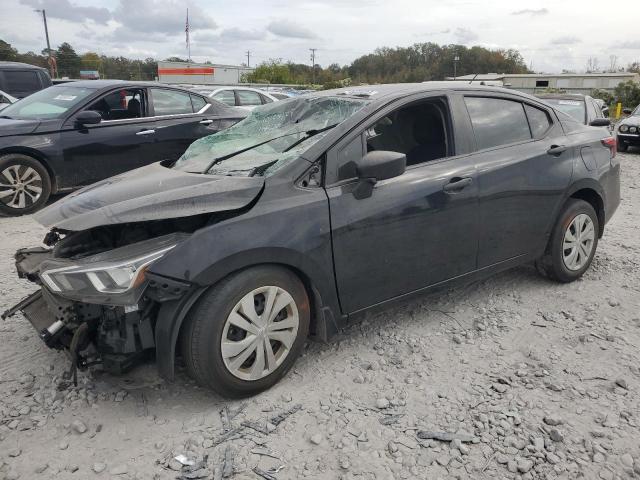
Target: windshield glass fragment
269 138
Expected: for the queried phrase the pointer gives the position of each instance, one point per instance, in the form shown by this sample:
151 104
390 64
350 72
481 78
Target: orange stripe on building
186 71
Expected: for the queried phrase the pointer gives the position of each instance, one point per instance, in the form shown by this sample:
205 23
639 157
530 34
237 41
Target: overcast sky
551 35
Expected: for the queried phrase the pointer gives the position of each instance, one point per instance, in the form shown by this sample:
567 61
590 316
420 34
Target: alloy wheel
579 238
259 333
20 186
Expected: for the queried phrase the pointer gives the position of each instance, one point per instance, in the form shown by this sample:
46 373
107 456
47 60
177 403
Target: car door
181 119
524 165
122 141
415 230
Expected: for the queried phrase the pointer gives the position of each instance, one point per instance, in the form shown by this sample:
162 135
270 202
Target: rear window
21 81
497 121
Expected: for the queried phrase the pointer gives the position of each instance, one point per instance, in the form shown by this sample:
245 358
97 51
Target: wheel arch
324 311
36 155
596 200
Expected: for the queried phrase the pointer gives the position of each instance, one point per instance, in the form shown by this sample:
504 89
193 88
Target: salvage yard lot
534 378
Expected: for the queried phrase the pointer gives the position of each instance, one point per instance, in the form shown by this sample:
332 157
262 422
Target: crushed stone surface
514 377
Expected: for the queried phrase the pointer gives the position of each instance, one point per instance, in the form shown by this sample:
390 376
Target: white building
569 82
200 73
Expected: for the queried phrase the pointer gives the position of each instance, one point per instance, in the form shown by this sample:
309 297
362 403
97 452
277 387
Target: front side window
539 121
248 98
227 97
269 138
121 104
419 131
170 102
497 121
52 102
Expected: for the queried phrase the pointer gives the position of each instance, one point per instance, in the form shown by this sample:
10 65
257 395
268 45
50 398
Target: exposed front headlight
633 129
115 277
624 128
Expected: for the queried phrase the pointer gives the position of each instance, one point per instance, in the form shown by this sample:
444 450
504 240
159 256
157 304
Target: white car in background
242 97
6 100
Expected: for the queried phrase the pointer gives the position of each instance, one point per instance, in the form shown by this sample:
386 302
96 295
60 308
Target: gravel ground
513 377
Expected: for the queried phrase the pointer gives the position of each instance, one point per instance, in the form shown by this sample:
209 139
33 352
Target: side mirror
376 166
88 117
600 122
627 111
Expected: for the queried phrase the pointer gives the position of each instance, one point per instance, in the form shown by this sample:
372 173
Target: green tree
90 61
271 71
7 52
68 61
602 94
627 93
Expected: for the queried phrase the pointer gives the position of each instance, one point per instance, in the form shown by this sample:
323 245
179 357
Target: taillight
612 144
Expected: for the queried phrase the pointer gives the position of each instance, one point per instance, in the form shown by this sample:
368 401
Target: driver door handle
206 122
556 150
146 132
456 184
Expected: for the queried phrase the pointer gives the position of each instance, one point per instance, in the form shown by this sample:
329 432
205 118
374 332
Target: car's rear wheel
25 185
573 243
246 332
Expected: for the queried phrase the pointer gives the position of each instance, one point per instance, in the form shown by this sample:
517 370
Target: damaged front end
97 300
98 307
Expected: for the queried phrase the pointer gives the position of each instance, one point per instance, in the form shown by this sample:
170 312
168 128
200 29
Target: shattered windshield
269 138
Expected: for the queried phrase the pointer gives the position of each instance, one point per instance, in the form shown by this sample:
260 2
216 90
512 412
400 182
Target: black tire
622 147
201 335
552 263
21 164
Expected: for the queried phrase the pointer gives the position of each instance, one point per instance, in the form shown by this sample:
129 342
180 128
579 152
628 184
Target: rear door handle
556 150
206 122
456 184
146 132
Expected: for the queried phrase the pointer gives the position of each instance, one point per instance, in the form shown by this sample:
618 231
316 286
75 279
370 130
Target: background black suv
21 79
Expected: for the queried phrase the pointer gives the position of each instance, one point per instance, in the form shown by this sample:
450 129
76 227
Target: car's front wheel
573 243
246 332
25 185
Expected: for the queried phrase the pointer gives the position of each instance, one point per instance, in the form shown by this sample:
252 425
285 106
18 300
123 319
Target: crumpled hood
153 192
9 126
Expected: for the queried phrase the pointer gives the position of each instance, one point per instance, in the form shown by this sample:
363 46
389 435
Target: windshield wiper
307 134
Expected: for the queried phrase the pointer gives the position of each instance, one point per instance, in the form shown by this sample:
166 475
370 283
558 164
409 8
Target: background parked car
628 129
6 100
582 108
22 79
242 97
77 133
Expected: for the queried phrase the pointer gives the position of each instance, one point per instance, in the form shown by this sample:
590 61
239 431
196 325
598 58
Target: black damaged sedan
308 213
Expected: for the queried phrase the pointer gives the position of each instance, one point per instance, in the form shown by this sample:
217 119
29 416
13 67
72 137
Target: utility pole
46 34
313 65
456 59
248 56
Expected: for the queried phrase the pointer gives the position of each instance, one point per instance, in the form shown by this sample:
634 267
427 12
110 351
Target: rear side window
170 102
198 103
265 99
497 121
227 97
21 81
539 121
248 98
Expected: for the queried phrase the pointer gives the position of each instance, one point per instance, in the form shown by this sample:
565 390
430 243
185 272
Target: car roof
99 84
387 92
4 65
562 96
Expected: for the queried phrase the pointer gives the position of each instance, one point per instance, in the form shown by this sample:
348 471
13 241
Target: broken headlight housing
115 277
